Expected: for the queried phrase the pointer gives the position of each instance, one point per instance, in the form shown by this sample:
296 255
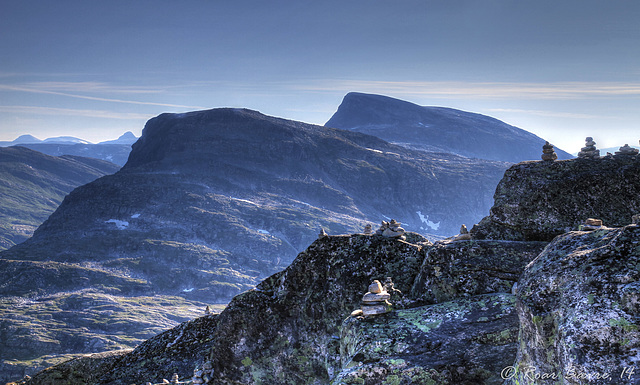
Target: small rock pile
627 150
589 150
204 374
591 224
391 229
464 234
376 300
368 229
548 154
322 233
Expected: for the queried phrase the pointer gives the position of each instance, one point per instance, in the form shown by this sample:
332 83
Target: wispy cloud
70 89
91 87
553 114
485 90
34 110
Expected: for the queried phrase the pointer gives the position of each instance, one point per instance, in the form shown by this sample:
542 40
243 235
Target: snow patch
120 225
263 231
134 216
374 150
189 290
244 200
426 221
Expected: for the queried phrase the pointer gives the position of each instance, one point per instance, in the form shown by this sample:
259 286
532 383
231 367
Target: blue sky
563 70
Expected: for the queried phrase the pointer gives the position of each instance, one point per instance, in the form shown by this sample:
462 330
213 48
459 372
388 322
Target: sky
563 70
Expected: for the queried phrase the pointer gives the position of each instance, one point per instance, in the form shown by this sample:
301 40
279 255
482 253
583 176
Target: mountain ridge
439 129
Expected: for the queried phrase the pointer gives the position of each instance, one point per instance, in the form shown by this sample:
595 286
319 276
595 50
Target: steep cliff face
437 129
540 200
579 310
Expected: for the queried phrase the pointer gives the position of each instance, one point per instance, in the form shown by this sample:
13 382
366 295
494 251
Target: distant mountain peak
437 129
126 138
66 140
27 138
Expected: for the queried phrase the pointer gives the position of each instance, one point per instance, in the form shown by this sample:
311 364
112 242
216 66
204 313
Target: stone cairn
591 224
174 380
368 229
322 233
391 229
203 375
464 234
589 150
548 154
627 150
376 300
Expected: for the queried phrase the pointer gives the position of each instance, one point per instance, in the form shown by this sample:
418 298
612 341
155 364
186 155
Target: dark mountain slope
32 185
437 129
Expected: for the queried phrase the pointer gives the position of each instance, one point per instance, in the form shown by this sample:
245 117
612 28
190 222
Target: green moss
624 324
247 361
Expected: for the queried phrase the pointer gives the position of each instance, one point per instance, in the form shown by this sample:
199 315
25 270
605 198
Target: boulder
536 201
579 304
465 341
466 268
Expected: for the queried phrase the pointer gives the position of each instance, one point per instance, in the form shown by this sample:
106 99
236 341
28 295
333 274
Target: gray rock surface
579 305
536 201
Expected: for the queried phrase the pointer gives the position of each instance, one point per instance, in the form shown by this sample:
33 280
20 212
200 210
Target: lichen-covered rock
540 200
579 309
466 268
286 331
465 341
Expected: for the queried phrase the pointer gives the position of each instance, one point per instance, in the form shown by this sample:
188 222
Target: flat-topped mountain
437 129
209 203
33 184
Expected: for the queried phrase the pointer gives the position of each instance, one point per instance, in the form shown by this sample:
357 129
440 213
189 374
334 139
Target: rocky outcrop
464 341
579 304
287 330
437 129
540 200
462 269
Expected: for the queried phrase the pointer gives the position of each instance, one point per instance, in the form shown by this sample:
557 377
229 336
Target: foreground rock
466 268
579 306
287 330
465 341
536 201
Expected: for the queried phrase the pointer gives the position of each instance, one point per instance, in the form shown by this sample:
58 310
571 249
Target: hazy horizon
561 70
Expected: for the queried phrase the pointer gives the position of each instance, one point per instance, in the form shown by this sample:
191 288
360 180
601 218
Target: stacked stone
391 230
204 375
464 234
627 150
175 379
589 150
368 229
548 154
376 301
322 233
592 224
